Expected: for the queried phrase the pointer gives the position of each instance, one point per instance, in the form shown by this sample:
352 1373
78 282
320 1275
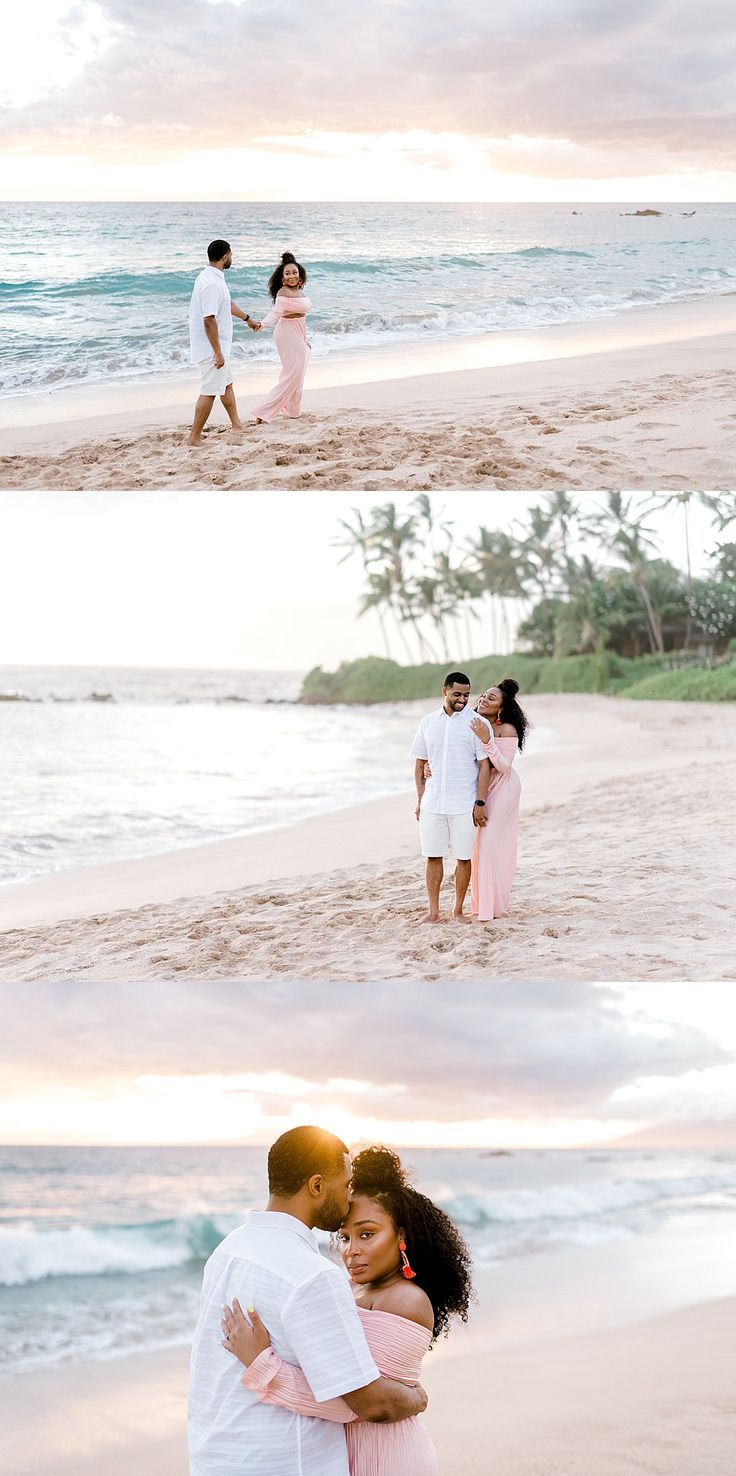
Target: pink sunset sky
550 1065
249 99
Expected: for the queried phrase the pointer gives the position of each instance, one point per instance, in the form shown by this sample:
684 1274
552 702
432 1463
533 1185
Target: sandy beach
642 399
625 871
652 1396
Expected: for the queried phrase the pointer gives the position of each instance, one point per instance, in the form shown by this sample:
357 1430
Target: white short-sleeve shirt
454 752
273 1263
210 298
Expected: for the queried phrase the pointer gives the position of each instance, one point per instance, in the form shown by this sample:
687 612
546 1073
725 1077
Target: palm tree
501 569
425 514
718 505
622 532
379 596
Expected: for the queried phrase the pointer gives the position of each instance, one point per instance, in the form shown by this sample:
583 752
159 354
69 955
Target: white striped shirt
454 752
273 1263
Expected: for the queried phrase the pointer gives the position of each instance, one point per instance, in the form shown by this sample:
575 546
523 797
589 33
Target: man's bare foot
432 917
194 441
460 917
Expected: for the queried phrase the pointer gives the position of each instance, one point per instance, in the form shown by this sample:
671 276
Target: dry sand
626 871
645 399
653 1399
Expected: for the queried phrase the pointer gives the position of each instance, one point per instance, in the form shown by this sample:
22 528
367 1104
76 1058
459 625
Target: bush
375 679
691 685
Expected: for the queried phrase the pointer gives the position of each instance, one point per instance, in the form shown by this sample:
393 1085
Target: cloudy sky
251 99
247 580
493 1064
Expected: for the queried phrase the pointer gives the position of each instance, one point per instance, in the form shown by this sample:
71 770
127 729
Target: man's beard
331 1214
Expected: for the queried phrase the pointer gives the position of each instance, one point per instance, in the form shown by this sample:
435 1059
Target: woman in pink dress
494 859
410 1270
289 313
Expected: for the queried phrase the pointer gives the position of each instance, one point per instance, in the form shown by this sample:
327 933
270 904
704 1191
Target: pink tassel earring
405 1267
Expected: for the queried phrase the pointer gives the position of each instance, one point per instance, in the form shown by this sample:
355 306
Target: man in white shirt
451 803
273 1262
211 313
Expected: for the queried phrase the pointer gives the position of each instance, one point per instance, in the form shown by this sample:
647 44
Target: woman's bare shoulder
507 730
405 1299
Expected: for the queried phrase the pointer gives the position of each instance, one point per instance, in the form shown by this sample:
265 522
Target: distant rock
642 212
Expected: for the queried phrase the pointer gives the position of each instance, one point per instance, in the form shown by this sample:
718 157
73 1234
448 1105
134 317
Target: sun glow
159 1109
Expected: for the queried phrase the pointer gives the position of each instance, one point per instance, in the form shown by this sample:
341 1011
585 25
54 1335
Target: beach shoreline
608 811
631 1396
641 398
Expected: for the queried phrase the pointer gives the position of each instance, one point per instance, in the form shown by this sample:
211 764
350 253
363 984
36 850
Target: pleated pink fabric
398 1347
494 858
403 1449
290 337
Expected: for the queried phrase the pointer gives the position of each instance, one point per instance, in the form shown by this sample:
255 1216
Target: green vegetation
715 685
580 585
378 680
572 577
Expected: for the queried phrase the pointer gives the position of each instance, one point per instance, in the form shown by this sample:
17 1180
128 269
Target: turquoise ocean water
94 293
102 1248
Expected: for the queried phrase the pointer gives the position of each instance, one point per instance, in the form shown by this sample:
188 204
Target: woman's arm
492 751
276 1382
273 1380
294 305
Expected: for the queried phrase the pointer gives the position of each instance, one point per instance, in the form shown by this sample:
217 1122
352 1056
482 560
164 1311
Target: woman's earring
405 1267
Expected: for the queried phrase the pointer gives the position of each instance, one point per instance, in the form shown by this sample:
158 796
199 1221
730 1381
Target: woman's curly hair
276 279
510 711
435 1247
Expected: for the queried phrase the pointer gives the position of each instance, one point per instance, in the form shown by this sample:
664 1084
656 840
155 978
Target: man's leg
201 412
434 873
228 400
462 882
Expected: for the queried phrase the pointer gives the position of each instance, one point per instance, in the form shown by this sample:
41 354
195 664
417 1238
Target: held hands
242 1338
255 326
480 817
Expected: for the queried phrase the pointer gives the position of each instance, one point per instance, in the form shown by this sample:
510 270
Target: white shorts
214 381
443 835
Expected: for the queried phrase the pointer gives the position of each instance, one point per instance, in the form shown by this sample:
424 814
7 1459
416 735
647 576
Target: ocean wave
584 1201
511 1220
29 1253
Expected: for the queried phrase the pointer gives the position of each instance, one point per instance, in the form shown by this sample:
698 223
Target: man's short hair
217 249
456 676
299 1154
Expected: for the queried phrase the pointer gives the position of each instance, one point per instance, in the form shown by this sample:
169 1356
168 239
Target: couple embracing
468 795
321 1376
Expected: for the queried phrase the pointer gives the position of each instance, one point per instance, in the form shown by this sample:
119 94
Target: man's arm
386 1400
244 317
420 782
484 783
210 328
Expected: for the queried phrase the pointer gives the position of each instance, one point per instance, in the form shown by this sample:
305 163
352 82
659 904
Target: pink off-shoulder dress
290 337
494 858
398 1347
